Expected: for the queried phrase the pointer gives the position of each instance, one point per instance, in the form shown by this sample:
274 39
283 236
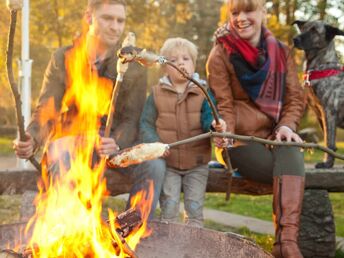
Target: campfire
68 221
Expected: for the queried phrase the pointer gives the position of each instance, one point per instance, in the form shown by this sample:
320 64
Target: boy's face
107 23
183 60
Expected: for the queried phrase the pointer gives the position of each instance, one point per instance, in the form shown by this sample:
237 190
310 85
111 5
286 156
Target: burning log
128 221
125 223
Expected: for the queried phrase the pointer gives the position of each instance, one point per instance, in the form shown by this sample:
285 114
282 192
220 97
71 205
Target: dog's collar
311 75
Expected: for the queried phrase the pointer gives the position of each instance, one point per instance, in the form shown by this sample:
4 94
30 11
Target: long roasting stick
149 151
13 84
121 69
245 138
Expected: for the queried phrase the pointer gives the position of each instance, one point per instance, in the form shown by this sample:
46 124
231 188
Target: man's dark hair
94 4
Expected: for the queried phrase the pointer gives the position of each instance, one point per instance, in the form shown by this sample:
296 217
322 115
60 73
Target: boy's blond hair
245 5
174 44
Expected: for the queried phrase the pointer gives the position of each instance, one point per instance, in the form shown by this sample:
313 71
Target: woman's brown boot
287 204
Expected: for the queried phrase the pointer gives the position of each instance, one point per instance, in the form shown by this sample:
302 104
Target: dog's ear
331 32
299 23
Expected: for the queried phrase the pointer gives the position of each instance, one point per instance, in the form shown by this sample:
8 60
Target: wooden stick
121 70
14 86
259 140
112 107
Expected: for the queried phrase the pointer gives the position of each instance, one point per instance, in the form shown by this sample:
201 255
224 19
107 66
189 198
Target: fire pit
173 241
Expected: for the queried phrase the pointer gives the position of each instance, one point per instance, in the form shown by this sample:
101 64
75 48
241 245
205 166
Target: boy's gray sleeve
148 118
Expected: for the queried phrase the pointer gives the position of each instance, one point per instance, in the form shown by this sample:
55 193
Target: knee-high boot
287 204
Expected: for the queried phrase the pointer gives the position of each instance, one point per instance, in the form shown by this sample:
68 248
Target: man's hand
220 128
24 149
285 133
107 146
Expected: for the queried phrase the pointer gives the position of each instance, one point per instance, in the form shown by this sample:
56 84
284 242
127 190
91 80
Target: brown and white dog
324 76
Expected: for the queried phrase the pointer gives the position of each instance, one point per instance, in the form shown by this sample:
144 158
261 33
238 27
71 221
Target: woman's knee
289 161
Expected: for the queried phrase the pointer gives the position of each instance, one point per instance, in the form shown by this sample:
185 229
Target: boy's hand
107 146
24 149
221 128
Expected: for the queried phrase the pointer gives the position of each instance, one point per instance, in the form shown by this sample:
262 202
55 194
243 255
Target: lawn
10 207
261 207
6 146
314 156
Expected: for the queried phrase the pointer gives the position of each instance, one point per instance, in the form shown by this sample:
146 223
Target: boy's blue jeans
193 182
153 170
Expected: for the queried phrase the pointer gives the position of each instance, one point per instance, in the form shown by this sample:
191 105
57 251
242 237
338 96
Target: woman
255 83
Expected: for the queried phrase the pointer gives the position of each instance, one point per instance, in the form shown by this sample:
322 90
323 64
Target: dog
324 79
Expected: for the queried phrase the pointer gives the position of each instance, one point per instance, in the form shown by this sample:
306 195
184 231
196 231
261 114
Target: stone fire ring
172 240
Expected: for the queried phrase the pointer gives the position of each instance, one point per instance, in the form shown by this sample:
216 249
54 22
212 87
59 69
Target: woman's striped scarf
261 71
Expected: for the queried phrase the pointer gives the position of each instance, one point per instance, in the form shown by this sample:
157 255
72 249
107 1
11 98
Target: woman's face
248 24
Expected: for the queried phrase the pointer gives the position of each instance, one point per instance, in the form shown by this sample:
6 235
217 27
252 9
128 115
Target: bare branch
257 139
13 84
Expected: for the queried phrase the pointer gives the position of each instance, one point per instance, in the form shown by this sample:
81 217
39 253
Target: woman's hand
286 134
107 146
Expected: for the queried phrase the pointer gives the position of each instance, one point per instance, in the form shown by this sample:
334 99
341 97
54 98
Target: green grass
261 207
265 241
247 205
337 200
6 146
314 156
339 254
9 208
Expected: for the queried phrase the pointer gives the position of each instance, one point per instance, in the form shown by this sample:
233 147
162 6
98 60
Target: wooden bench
331 180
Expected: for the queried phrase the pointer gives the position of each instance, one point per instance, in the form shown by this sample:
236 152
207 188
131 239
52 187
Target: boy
177 109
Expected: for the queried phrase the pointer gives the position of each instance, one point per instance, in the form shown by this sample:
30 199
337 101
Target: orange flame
68 222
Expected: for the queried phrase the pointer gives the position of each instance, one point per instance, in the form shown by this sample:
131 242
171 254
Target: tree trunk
322 5
276 9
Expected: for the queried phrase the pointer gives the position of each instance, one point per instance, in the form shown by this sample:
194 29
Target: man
106 20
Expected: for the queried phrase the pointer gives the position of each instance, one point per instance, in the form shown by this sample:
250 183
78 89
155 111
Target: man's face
107 23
